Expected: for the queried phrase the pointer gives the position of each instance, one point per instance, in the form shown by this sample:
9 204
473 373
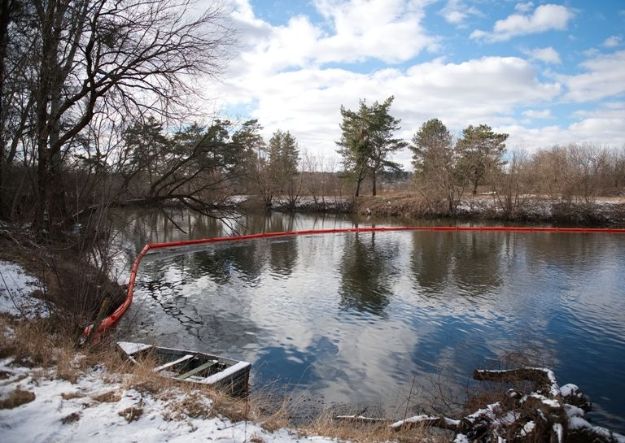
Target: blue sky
546 72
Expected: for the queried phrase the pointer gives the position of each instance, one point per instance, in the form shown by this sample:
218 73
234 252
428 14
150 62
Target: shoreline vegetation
601 211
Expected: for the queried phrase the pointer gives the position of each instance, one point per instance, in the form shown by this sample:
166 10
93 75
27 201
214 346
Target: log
544 378
427 420
361 419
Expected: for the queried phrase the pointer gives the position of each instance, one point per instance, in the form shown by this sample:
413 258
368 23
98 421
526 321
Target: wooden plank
215 378
197 370
173 363
132 348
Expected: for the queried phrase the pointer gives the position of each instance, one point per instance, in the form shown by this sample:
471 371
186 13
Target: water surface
379 320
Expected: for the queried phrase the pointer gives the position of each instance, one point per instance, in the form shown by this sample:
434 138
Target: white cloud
602 126
545 55
456 12
544 18
604 77
534 114
307 101
613 41
387 30
524 7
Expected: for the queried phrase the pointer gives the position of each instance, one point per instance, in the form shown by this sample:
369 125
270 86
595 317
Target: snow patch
528 428
580 423
52 416
559 431
16 287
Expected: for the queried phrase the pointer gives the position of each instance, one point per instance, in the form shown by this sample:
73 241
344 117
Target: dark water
381 320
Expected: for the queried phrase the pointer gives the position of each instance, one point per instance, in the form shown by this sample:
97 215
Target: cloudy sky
547 73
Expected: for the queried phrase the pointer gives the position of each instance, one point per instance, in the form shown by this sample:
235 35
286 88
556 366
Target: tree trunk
42 94
475 187
5 9
373 183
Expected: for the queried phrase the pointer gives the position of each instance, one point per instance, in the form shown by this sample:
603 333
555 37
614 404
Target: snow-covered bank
528 208
16 288
94 410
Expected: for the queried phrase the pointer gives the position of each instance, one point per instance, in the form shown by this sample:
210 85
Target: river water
386 321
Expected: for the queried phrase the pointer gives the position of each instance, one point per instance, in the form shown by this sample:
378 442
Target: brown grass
255 438
17 398
108 397
71 395
326 425
193 405
71 418
131 413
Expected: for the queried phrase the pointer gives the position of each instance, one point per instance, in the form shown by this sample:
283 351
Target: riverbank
607 211
53 392
70 275
532 209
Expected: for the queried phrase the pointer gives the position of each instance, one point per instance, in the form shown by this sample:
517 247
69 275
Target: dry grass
17 398
131 413
71 395
255 438
193 405
71 418
108 397
327 425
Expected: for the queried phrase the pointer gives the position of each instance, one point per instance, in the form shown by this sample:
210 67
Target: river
384 322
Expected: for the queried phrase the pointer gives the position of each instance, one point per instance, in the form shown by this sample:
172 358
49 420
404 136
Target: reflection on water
366 272
355 318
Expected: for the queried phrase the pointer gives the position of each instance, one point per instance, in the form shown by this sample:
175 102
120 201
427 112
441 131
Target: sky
547 73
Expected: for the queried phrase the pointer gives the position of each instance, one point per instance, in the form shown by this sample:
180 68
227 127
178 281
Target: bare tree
110 57
510 185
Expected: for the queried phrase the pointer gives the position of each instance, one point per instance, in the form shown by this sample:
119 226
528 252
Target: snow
528 428
546 401
461 438
573 411
559 431
580 423
488 412
100 421
570 390
508 418
424 418
16 286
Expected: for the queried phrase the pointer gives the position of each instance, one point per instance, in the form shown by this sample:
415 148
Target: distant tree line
446 170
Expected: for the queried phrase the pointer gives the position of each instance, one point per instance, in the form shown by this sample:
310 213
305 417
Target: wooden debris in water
549 413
